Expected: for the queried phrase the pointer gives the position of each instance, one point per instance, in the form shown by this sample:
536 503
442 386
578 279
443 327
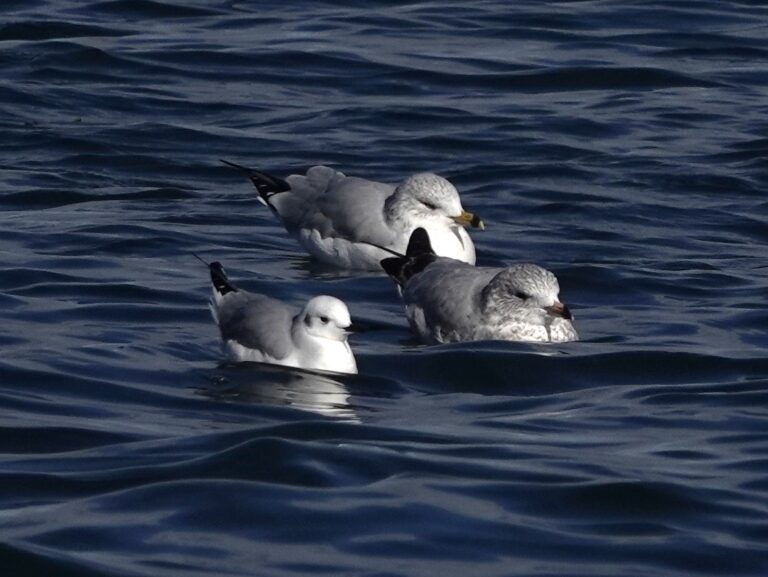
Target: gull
262 329
351 222
450 301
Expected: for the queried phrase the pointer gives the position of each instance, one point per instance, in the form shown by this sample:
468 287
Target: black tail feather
219 279
266 184
418 256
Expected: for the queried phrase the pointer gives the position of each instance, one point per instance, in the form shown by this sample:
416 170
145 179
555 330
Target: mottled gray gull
348 221
259 328
448 301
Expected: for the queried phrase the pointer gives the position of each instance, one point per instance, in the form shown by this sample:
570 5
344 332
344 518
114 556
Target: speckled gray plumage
452 301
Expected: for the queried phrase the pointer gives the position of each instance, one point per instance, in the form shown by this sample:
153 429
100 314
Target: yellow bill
469 219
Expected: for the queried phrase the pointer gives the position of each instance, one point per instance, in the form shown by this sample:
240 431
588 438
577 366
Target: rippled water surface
623 145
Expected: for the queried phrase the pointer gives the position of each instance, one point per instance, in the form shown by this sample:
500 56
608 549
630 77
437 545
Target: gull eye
429 205
324 320
522 296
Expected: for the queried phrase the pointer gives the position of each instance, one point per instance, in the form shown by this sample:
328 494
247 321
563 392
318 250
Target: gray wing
336 205
257 322
448 291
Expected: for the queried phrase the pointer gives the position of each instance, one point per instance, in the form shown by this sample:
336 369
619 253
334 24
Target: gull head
433 198
326 317
528 290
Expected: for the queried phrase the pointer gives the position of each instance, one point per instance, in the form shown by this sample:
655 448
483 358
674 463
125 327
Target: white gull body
262 329
345 220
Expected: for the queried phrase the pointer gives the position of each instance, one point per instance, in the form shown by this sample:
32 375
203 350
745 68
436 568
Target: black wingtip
393 266
237 166
219 279
417 257
266 184
201 259
419 244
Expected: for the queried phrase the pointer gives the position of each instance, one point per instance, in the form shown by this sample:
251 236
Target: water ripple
623 147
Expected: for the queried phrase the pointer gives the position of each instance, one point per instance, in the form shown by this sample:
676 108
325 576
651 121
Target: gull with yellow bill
354 223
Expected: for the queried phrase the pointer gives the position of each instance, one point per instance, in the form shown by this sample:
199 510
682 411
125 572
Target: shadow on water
502 368
327 394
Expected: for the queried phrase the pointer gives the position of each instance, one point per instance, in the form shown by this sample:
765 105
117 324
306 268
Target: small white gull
262 329
450 301
349 222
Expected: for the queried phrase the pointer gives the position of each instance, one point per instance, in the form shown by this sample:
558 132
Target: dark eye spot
324 320
522 296
429 205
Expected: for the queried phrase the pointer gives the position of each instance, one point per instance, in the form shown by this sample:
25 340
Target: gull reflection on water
319 392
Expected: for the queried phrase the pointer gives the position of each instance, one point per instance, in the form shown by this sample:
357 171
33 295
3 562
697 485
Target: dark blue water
623 145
